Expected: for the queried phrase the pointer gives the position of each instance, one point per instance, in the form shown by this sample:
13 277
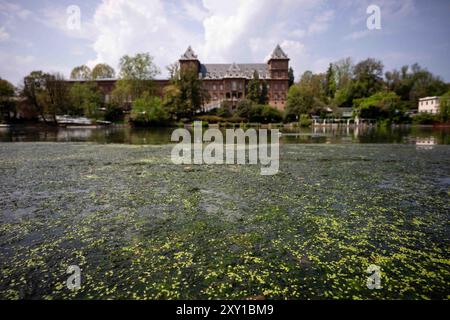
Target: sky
44 35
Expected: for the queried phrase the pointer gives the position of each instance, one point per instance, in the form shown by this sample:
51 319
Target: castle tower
278 64
189 60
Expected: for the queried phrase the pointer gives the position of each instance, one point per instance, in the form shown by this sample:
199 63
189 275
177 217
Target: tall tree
185 95
368 78
291 77
7 105
192 93
56 94
34 90
344 72
85 99
381 105
103 71
344 76
82 72
306 97
444 107
412 83
264 95
330 84
254 88
138 73
174 70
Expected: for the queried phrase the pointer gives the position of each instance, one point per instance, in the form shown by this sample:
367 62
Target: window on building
234 86
214 87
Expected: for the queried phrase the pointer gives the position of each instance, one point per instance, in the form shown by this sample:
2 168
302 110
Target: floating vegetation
141 227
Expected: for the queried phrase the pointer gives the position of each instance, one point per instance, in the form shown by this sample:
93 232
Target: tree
254 88
306 97
138 72
380 106
7 104
264 96
171 100
294 104
291 77
368 78
85 99
343 69
257 90
444 107
192 93
330 84
121 95
185 95
103 71
34 90
82 72
56 94
412 83
244 108
148 110
344 73
174 70
270 114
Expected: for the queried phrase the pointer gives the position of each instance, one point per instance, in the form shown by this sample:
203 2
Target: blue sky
34 34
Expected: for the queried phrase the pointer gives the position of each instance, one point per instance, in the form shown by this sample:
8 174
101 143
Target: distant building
429 105
226 81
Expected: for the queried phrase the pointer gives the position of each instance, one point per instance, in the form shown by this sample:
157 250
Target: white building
429 104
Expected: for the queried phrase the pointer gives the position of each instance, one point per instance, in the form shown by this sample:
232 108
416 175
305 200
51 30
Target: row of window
276 97
423 103
429 111
235 86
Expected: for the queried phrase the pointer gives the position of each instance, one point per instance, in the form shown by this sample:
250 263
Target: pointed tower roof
189 55
278 53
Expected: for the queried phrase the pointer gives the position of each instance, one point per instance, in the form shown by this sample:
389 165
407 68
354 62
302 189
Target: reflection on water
423 137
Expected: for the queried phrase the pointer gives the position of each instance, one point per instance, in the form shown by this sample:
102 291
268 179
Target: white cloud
194 11
232 31
56 17
358 34
125 27
4 36
321 22
11 10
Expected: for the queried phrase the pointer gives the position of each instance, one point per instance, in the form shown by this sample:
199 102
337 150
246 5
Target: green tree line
388 97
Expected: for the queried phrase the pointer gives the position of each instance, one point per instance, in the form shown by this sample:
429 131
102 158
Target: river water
424 136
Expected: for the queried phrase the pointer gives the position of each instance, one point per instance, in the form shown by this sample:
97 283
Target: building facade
429 105
226 82
229 82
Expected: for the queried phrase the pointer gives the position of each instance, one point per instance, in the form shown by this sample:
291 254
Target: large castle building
229 81
226 81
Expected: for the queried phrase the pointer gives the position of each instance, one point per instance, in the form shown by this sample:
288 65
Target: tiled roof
189 54
234 70
278 53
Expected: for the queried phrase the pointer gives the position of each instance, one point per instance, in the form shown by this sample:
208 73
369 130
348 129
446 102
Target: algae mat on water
141 227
